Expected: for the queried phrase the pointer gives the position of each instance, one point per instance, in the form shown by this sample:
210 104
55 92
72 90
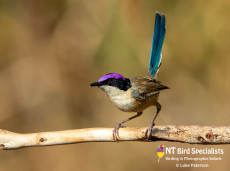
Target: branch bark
184 134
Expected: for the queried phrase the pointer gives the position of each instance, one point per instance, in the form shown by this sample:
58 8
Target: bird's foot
149 130
115 131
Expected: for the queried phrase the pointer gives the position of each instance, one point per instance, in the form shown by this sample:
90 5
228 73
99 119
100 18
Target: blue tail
158 40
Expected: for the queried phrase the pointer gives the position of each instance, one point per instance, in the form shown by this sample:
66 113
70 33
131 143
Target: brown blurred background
51 50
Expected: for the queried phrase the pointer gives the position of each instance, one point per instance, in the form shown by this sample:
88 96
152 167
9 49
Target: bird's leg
119 125
151 124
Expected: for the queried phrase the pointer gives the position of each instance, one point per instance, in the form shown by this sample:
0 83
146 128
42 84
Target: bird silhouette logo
160 152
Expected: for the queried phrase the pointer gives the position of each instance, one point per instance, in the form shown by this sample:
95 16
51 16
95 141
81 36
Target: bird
137 93
160 152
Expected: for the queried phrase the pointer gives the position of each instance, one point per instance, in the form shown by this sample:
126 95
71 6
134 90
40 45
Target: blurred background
51 50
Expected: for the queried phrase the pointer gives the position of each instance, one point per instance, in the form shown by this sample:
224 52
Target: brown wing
143 87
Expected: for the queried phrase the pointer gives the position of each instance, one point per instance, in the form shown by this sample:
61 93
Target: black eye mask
119 83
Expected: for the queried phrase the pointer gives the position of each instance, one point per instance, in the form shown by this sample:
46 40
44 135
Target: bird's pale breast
125 102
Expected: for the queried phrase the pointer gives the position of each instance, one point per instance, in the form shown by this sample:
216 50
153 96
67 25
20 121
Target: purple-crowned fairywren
138 93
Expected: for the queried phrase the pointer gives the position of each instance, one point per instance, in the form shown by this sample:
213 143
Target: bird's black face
122 84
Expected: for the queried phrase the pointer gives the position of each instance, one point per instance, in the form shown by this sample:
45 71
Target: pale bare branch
185 134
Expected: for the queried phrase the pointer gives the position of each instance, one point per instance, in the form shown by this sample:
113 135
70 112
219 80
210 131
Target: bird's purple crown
111 75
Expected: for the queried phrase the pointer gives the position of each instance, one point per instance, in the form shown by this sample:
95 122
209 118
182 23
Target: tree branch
185 134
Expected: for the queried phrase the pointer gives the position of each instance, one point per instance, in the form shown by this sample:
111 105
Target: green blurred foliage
51 50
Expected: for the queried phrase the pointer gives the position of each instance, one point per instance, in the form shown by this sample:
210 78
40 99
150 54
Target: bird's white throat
122 99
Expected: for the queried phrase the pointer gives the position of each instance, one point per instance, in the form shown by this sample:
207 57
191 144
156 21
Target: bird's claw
115 131
149 131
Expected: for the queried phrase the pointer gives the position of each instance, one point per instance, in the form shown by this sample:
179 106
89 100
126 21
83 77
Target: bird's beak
95 84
